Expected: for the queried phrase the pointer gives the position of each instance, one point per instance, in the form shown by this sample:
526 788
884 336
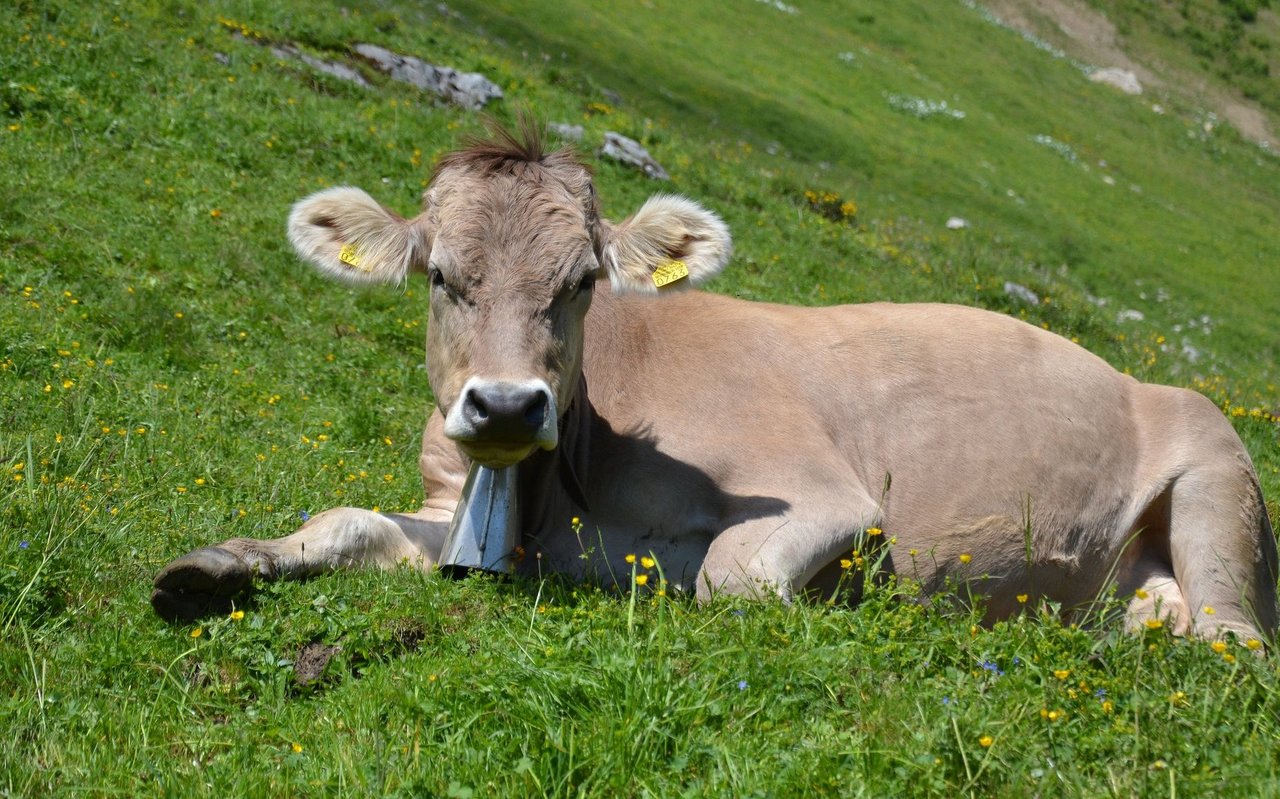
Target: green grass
170 377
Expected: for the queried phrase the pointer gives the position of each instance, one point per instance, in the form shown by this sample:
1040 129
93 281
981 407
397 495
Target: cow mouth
496 456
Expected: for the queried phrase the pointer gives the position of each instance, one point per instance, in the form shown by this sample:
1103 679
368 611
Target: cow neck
566 464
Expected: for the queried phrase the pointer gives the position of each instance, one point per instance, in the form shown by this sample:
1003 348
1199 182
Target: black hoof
200 583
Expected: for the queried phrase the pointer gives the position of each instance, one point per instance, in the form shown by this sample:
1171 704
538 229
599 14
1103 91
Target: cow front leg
782 555
206 581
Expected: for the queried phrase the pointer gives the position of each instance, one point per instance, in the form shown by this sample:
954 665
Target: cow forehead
508 221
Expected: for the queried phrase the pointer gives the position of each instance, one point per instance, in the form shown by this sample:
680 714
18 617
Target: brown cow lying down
749 447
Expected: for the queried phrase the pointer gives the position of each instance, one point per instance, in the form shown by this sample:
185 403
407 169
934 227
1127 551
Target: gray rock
470 90
566 131
1122 79
332 68
629 151
1021 292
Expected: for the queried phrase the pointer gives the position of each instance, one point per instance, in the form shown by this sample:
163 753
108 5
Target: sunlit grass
170 377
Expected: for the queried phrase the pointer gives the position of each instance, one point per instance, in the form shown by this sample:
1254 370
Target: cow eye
437 279
439 283
586 284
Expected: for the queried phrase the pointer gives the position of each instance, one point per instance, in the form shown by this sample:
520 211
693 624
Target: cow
750 448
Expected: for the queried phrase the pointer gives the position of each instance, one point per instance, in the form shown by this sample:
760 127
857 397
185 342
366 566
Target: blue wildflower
742 685
23 544
303 515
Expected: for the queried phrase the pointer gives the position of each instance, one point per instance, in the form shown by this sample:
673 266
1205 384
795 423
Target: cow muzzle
499 423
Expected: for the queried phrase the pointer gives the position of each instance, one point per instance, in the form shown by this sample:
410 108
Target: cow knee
752 582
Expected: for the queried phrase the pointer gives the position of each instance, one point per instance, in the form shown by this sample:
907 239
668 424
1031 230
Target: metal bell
485 530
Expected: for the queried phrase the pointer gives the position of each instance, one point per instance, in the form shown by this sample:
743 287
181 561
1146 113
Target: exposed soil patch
311 661
1087 35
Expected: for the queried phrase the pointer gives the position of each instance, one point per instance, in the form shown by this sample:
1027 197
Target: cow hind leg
206 580
1223 551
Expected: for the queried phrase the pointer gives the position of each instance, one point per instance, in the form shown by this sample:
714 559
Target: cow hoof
200 583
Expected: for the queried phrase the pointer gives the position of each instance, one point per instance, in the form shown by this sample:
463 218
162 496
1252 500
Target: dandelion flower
297 747
986 741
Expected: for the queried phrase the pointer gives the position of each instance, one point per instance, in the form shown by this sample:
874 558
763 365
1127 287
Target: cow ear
346 234
670 243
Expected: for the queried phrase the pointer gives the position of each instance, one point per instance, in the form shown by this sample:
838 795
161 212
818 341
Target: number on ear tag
349 256
669 273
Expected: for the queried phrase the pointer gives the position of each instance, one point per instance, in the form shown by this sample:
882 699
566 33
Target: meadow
171 376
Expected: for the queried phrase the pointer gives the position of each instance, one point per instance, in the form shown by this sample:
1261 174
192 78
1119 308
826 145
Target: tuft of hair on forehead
510 152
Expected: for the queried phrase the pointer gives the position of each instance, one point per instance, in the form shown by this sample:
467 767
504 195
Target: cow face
512 245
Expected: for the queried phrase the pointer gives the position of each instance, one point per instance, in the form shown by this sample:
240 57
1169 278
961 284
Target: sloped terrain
170 377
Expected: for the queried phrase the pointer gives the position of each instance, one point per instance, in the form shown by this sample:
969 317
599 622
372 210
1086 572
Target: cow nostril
478 405
535 411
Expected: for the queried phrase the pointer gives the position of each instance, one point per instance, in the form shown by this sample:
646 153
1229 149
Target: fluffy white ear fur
666 228
346 234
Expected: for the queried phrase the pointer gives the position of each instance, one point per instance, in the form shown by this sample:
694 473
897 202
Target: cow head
511 241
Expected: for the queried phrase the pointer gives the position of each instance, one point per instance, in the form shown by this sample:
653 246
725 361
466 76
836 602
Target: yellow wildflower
873 531
1253 643
986 741
197 632
846 564
1154 624
630 558
297 747
1062 674
237 615
648 562
641 579
1022 599
966 557
1140 594
1218 646
1208 611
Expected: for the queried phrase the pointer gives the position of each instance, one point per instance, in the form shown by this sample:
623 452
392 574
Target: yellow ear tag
669 273
349 256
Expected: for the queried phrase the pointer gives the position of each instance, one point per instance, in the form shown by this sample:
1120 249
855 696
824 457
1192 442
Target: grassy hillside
171 377
1056 174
